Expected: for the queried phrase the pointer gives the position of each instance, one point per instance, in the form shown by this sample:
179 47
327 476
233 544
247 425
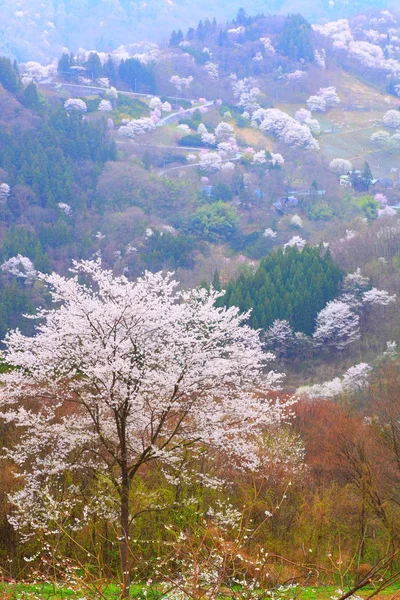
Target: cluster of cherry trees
287 129
373 51
337 325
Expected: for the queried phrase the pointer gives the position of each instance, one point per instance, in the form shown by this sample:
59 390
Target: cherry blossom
111 93
228 166
379 138
340 165
105 106
268 47
387 211
296 221
147 371
5 191
137 127
223 131
210 161
211 70
296 241
320 58
337 326
181 83
392 119
285 128
378 297
75 104
19 266
155 103
66 208
183 128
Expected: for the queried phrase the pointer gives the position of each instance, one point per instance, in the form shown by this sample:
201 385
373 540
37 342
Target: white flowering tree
285 128
105 106
224 131
337 326
118 376
392 119
210 161
340 165
75 104
138 127
5 192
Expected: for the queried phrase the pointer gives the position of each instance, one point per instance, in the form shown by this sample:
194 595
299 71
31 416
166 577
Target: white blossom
320 58
66 208
378 297
392 119
105 106
145 371
19 266
268 47
183 128
5 191
211 70
181 83
210 161
297 241
269 233
379 138
337 326
340 165
223 131
75 104
137 127
296 221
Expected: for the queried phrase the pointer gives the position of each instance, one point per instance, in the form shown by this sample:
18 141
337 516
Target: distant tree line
292 285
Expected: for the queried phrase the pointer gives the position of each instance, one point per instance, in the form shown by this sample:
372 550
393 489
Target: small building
345 181
384 182
285 204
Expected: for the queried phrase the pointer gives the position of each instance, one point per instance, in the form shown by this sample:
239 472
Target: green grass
50 592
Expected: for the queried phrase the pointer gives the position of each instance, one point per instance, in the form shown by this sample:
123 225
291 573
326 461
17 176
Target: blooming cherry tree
392 119
340 165
75 104
19 266
120 375
105 106
5 191
212 70
337 326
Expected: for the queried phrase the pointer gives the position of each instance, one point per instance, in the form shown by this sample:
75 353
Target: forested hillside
206 234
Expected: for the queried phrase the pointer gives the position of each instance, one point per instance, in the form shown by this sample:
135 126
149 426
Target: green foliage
296 40
194 121
166 251
20 240
289 285
9 79
93 66
194 139
131 107
138 76
48 160
214 222
30 97
319 211
368 205
221 191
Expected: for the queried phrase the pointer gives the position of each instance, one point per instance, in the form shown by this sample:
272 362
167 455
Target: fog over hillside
39 29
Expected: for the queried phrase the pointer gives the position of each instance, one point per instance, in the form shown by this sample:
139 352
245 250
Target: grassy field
50 592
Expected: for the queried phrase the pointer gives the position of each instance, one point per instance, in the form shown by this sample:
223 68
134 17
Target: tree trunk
124 540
